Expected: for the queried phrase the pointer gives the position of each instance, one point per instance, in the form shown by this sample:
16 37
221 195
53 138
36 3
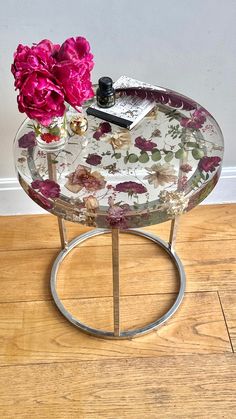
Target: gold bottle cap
79 125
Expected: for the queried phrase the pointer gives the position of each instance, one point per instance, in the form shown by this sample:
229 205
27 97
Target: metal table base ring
117 334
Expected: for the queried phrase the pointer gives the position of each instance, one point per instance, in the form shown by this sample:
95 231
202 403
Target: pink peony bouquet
49 75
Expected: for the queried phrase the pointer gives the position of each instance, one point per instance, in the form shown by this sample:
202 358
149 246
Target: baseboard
14 201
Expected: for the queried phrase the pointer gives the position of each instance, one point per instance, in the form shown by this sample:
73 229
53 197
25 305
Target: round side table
118 180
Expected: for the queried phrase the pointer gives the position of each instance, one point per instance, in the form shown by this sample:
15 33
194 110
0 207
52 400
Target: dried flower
117 214
21 160
103 128
182 182
94 159
39 199
160 174
27 140
186 168
143 144
196 121
156 133
47 187
130 188
174 203
153 113
119 140
209 164
91 202
49 138
82 177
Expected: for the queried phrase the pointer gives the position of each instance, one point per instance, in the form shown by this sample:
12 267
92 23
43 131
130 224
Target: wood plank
185 369
182 387
228 300
209 222
86 272
35 332
148 269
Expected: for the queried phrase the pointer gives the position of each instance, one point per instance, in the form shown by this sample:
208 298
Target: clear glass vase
52 137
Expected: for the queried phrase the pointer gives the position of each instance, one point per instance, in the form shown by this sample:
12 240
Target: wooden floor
185 369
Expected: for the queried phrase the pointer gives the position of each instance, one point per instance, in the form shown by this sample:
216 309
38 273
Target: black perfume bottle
105 93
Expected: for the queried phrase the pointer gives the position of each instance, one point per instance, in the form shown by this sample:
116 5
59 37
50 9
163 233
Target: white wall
186 45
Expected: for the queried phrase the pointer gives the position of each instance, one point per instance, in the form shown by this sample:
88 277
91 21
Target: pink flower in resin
182 182
48 188
41 99
27 140
116 217
49 138
82 177
145 145
40 200
209 164
185 167
196 121
104 128
130 188
93 159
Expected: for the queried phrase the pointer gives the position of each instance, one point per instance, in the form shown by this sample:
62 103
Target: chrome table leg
63 233
116 280
52 174
173 233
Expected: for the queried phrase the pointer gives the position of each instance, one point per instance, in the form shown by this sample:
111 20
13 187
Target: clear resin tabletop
112 177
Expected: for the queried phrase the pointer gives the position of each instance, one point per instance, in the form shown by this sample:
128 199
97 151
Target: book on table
128 110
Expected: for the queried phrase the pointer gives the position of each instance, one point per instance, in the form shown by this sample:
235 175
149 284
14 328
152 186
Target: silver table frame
115 232
117 333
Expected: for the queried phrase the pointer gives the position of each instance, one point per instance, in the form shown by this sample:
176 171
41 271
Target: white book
128 110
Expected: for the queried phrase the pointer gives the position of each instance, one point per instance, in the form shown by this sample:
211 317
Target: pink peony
48 188
41 99
74 79
209 164
48 47
72 70
39 57
47 75
76 50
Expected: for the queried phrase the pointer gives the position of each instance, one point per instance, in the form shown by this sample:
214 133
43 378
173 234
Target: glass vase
52 137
